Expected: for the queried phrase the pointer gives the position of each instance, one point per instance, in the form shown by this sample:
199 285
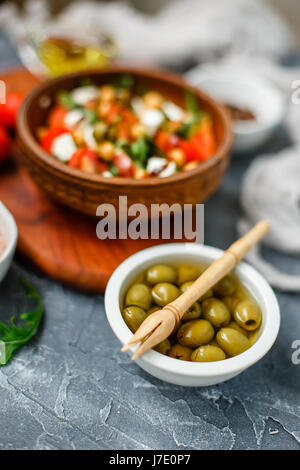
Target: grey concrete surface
71 388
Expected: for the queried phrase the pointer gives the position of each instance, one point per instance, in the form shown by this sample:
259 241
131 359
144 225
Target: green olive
236 327
247 315
180 352
195 333
227 286
207 295
193 313
232 341
100 129
208 353
163 347
164 293
231 303
161 273
187 273
139 295
187 285
134 317
216 312
253 336
153 310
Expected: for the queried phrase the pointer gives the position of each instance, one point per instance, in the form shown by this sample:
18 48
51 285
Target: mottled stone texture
71 388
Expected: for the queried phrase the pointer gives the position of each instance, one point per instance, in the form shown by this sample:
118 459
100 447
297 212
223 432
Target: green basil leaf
124 81
139 150
65 99
12 337
89 115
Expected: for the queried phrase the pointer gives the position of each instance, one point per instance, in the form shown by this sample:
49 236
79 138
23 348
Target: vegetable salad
118 130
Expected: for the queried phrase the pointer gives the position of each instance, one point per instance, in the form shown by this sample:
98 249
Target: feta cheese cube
73 117
168 171
172 111
84 94
63 147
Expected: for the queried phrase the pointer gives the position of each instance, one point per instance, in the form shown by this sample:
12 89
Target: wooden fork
159 325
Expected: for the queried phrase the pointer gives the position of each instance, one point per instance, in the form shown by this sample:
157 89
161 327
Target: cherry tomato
75 160
201 146
166 141
56 117
5 144
124 164
87 160
128 116
204 142
123 131
47 140
9 110
113 113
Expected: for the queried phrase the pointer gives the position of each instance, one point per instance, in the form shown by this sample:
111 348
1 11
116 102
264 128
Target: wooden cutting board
62 243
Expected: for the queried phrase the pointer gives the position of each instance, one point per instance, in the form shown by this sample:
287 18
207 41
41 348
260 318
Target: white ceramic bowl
182 372
231 86
8 229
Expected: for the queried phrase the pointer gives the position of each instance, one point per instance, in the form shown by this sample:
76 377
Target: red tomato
123 130
56 117
166 141
161 140
124 164
201 146
204 142
5 144
76 158
87 160
113 113
47 140
128 116
9 110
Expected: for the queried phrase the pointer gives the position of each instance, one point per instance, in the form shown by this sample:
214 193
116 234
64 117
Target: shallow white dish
8 229
251 91
182 372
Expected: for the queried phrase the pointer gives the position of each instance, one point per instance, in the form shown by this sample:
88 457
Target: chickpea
190 166
153 99
139 173
107 93
137 130
106 151
104 108
177 156
78 136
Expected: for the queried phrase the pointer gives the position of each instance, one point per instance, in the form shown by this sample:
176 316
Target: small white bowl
250 91
8 229
181 372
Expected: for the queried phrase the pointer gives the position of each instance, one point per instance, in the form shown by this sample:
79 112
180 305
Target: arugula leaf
89 115
196 115
124 81
113 169
13 337
139 151
65 99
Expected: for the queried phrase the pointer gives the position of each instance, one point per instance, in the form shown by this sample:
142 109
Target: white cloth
183 29
271 186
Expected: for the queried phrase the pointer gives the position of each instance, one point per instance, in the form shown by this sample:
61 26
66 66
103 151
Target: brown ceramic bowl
84 192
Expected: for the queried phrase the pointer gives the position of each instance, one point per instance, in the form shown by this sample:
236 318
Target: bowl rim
11 243
27 139
167 364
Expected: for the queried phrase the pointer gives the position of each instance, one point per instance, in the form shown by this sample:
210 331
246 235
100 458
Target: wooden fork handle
217 270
